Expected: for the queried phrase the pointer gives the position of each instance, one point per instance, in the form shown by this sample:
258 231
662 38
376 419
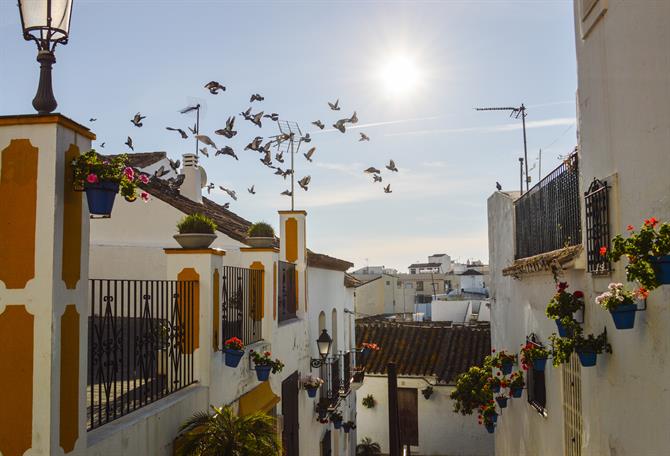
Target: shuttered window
408 414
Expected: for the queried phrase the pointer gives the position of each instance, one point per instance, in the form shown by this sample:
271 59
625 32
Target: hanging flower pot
503 361
621 304
490 427
624 316
337 424
539 364
516 391
506 367
264 364
100 197
232 357
562 330
587 358
262 372
502 401
311 384
311 392
662 267
495 387
346 427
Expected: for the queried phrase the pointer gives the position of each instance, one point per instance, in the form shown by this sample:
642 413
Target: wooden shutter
289 400
408 414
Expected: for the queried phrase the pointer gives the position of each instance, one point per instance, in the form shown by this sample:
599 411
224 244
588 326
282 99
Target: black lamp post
323 343
47 23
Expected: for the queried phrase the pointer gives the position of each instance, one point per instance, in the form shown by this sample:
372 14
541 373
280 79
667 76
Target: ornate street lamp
323 343
47 23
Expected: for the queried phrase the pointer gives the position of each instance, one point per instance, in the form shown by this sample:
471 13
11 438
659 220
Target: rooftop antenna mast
516 113
289 139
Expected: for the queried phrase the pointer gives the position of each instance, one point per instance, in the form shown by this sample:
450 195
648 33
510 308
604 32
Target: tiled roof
351 281
431 349
319 260
144 159
425 265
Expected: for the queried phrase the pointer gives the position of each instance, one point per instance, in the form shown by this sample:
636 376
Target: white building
618 407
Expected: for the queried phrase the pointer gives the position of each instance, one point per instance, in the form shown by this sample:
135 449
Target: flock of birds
259 144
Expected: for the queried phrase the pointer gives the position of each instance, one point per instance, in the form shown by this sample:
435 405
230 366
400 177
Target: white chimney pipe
194 178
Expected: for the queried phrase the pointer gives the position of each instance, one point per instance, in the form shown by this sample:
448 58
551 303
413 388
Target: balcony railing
241 303
141 336
548 215
287 300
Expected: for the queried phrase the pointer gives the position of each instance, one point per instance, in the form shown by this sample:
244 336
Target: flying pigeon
280 157
273 116
387 189
175 183
226 150
306 138
92 119
319 124
279 171
377 178
228 131
372 170
181 132
266 147
364 137
353 119
251 190
304 182
391 166
287 173
256 97
339 125
255 144
335 106
174 164
226 206
204 152
129 143
137 119
267 159
214 87
194 130
309 154
246 114
210 187
287 193
206 140
231 193
256 119
188 109
160 172
102 145
498 186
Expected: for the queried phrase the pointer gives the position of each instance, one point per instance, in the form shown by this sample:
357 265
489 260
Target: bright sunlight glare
399 75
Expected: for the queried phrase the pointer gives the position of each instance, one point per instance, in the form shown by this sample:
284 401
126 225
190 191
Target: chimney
195 178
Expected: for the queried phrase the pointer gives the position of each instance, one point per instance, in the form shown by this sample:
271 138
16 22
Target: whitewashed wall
441 432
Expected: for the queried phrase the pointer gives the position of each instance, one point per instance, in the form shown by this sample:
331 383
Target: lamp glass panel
36 12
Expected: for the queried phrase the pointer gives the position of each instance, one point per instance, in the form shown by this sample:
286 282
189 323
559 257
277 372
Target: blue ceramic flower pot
506 367
232 357
662 266
516 392
490 427
100 197
495 388
587 358
263 373
539 364
562 330
311 392
337 424
502 402
494 418
624 316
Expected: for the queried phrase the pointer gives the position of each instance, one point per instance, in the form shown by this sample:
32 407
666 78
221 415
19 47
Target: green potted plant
369 401
621 304
102 178
562 308
495 383
561 349
196 231
311 383
336 418
233 351
368 448
648 253
588 348
516 384
472 389
488 415
264 364
503 361
533 355
427 391
261 235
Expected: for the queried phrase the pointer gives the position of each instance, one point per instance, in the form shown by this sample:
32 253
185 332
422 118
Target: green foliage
368 448
498 359
561 349
369 401
261 229
591 343
196 223
91 168
530 352
641 249
265 359
564 304
472 389
224 433
516 380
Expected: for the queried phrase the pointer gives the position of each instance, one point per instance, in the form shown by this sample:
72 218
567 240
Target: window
572 407
408 285
596 205
537 393
408 416
419 286
398 284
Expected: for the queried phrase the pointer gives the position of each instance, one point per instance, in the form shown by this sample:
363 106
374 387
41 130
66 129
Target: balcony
241 304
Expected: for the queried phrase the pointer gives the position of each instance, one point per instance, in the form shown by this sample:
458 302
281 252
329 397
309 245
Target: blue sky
154 56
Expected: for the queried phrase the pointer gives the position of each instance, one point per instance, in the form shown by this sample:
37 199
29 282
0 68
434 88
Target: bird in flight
339 125
252 190
214 87
226 150
267 159
206 140
498 186
307 138
102 145
256 119
228 131
246 114
364 137
279 157
92 119
188 109
377 178
335 106
256 97
309 154
391 166
204 152
231 193
160 172
210 187
137 119
287 193
194 130
353 119
129 143
225 206
272 116
319 124
175 183
175 164
304 182
179 130
387 189
254 144
372 170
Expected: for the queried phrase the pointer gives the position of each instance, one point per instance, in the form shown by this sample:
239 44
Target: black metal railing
346 376
330 372
241 303
287 300
141 338
596 208
548 215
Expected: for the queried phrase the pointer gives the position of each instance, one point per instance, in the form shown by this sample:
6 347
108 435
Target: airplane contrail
378 124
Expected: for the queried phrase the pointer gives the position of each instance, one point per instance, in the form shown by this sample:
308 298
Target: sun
399 75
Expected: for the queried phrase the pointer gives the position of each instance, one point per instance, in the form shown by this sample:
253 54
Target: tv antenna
516 113
195 105
289 140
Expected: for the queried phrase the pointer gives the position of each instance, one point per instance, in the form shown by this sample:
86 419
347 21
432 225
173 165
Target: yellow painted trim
190 317
293 212
36 119
259 310
16 381
69 378
274 290
71 257
216 321
291 230
18 212
259 399
259 249
178 251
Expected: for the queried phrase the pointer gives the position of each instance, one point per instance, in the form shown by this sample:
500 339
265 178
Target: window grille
537 393
596 205
572 407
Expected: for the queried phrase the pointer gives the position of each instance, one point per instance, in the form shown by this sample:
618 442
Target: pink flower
144 196
91 178
144 178
129 173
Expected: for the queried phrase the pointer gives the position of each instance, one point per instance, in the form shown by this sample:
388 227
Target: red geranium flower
603 251
578 294
630 227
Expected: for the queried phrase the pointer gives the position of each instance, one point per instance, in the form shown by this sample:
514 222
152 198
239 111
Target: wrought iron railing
548 215
287 299
141 338
596 208
346 376
241 303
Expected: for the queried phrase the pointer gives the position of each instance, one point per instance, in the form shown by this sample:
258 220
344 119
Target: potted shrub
534 355
369 347
427 392
488 416
102 178
311 383
264 364
233 351
648 253
261 234
588 348
357 377
368 448
503 361
516 384
495 384
562 308
369 401
196 231
502 401
336 418
561 349
472 389
621 304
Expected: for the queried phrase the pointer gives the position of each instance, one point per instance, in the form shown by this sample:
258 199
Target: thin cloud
378 124
492 129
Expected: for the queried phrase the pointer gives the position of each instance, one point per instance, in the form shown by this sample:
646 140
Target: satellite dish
203 177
